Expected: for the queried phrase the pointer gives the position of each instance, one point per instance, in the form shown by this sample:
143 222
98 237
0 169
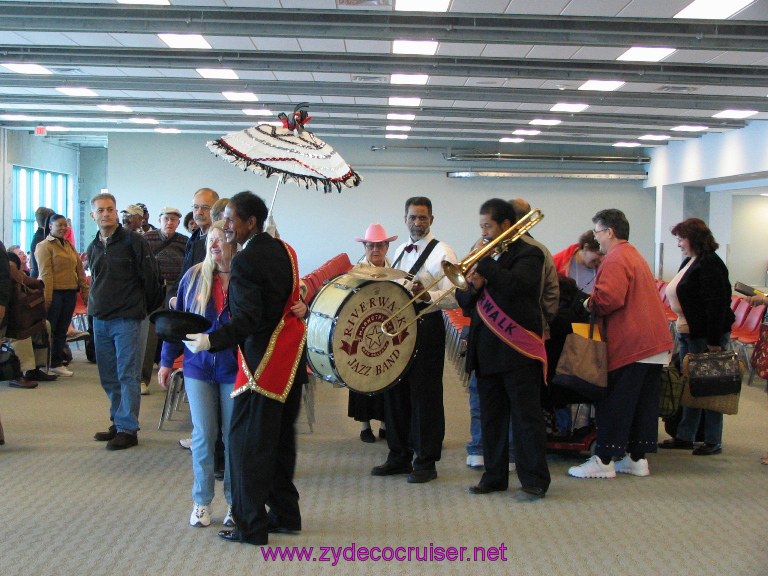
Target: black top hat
174 325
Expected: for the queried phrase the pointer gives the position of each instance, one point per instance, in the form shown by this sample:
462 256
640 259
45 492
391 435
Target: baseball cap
132 210
171 210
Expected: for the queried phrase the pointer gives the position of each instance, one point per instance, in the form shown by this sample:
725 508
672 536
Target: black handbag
713 373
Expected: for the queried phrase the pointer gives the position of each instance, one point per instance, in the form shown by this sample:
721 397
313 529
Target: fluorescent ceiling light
184 41
421 47
69 91
218 73
602 85
143 121
422 5
399 127
522 132
27 68
712 9
57 129
565 107
513 140
655 137
397 136
627 145
257 112
152 2
642 54
544 122
17 117
397 101
419 79
168 130
735 114
240 96
689 128
115 108
406 117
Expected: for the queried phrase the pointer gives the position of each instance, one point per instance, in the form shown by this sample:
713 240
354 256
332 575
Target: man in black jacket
262 438
41 215
506 349
124 281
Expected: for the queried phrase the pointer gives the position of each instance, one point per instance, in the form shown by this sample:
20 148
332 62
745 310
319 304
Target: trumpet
457 273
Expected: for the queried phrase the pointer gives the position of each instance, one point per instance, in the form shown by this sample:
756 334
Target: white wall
18 148
166 170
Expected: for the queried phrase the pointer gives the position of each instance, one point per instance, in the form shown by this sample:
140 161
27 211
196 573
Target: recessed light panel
185 41
654 137
602 85
115 108
712 9
420 47
143 121
689 128
522 132
735 114
240 96
406 117
399 128
565 107
512 140
544 122
218 73
168 130
393 136
627 145
397 101
81 92
257 112
416 79
27 68
422 5
642 54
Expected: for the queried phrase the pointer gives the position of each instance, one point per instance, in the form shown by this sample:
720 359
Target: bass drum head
367 360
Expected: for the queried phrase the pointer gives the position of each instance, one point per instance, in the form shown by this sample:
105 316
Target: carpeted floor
72 507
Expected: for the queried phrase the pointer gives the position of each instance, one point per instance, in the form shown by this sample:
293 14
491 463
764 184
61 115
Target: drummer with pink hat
376 243
362 407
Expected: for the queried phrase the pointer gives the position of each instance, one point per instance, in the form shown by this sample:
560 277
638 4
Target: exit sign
39 130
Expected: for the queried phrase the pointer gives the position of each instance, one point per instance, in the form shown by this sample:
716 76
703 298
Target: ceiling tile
294 76
138 40
337 100
552 52
13 38
371 101
148 72
255 75
92 39
47 38
446 80
276 44
598 53
230 42
368 46
484 7
309 4
331 77
594 8
523 83
468 50
506 50
321 45
738 58
553 7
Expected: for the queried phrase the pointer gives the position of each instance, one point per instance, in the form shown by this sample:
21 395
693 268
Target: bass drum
345 344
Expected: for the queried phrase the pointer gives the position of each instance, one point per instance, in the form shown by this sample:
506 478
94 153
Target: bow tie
411 247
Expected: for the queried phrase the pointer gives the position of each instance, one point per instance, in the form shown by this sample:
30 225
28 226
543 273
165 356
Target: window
32 189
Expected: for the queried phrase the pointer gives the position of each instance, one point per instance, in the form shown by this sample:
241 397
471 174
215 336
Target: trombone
457 273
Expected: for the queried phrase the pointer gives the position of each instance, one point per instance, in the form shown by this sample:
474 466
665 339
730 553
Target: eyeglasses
596 232
203 207
373 245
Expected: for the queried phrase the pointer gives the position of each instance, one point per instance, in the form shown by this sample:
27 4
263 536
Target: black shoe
391 469
708 450
277 525
422 476
106 436
676 444
39 375
237 536
484 489
367 436
122 440
529 494
382 433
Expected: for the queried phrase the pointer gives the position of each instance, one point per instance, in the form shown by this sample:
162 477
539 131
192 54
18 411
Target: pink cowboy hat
376 233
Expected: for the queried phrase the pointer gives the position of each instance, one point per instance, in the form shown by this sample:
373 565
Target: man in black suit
506 349
262 438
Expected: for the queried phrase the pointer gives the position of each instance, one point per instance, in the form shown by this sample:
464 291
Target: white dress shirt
430 270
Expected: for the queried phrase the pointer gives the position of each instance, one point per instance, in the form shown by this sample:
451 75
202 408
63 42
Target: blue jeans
206 400
713 421
119 354
475 444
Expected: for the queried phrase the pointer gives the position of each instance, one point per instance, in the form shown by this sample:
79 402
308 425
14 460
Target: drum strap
420 262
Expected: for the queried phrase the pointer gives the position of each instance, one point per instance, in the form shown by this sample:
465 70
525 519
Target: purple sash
524 341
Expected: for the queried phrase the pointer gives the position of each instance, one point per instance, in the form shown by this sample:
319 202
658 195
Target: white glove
197 342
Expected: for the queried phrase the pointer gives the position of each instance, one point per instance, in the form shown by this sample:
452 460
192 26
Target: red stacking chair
175 392
748 333
741 311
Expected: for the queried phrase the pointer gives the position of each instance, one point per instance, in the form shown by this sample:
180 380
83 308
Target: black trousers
513 398
414 407
60 316
262 456
628 418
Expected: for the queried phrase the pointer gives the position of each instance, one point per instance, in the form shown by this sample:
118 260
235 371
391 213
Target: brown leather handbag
26 311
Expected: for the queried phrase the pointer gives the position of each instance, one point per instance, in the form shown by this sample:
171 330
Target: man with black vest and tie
414 406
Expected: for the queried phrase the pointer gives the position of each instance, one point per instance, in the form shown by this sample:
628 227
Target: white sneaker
201 515
228 520
628 466
186 443
144 389
593 468
60 371
475 461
